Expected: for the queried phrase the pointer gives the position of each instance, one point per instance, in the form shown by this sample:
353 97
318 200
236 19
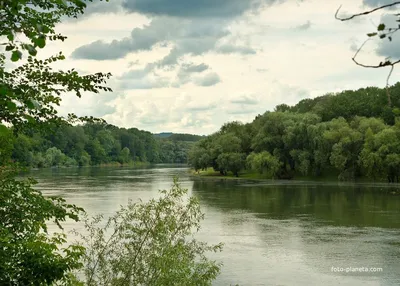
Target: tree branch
364 13
381 65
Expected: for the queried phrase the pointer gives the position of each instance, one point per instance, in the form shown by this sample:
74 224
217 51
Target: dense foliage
150 243
352 134
91 144
29 255
29 91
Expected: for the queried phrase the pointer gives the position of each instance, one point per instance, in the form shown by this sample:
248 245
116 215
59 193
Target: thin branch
364 13
381 65
389 75
387 86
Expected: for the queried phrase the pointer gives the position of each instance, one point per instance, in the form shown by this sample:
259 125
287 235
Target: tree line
352 134
91 144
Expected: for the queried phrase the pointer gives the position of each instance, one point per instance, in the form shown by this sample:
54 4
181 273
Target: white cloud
273 63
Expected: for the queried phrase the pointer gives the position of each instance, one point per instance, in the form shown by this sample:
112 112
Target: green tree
30 91
124 156
28 96
54 157
264 163
29 254
96 151
6 145
233 162
106 140
150 243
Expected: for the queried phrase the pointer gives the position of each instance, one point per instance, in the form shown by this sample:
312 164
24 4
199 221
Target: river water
275 232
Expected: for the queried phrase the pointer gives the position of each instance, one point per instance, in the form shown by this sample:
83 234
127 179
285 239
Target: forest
352 134
91 144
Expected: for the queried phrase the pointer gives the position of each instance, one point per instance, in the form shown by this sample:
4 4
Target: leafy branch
384 33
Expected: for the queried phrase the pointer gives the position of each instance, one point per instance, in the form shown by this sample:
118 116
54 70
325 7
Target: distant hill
163 134
179 136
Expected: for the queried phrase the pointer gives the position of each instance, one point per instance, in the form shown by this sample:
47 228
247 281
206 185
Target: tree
54 157
150 244
6 145
233 162
96 152
264 162
30 91
29 254
124 156
28 94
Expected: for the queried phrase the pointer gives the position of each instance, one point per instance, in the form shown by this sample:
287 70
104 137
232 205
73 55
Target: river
275 232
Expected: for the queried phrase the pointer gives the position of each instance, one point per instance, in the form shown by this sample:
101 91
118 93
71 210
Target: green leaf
382 36
40 41
10 37
10 48
31 49
372 34
381 27
16 55
3 90
29 118
11 106
45 29
3 130
30 104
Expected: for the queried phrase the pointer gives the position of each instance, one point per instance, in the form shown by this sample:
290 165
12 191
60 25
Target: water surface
275 233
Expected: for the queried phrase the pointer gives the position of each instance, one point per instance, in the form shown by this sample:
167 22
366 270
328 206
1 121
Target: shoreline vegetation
354 134
103 165
209 173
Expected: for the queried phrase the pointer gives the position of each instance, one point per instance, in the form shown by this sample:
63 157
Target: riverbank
252 175
103 165
210 173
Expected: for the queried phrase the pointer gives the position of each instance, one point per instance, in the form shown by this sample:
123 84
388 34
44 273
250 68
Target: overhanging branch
364 13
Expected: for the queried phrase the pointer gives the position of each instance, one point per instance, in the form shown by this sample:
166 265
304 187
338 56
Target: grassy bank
210 173
331 175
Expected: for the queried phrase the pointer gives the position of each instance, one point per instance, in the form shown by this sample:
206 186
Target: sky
190 66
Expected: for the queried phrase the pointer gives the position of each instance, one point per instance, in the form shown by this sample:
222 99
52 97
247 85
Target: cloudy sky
192 65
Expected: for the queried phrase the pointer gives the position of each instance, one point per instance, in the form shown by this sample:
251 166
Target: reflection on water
275 233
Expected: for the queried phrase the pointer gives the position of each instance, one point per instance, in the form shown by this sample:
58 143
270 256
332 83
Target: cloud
242 111
186 71
208 80
193 8
304 26
102 7
201 107
97 105
376 3
191 68
141 39
144 78
145 83
186 37
230 49
245 100
388 48
183 114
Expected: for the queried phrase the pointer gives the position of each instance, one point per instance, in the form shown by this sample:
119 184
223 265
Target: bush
29 254
150 244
